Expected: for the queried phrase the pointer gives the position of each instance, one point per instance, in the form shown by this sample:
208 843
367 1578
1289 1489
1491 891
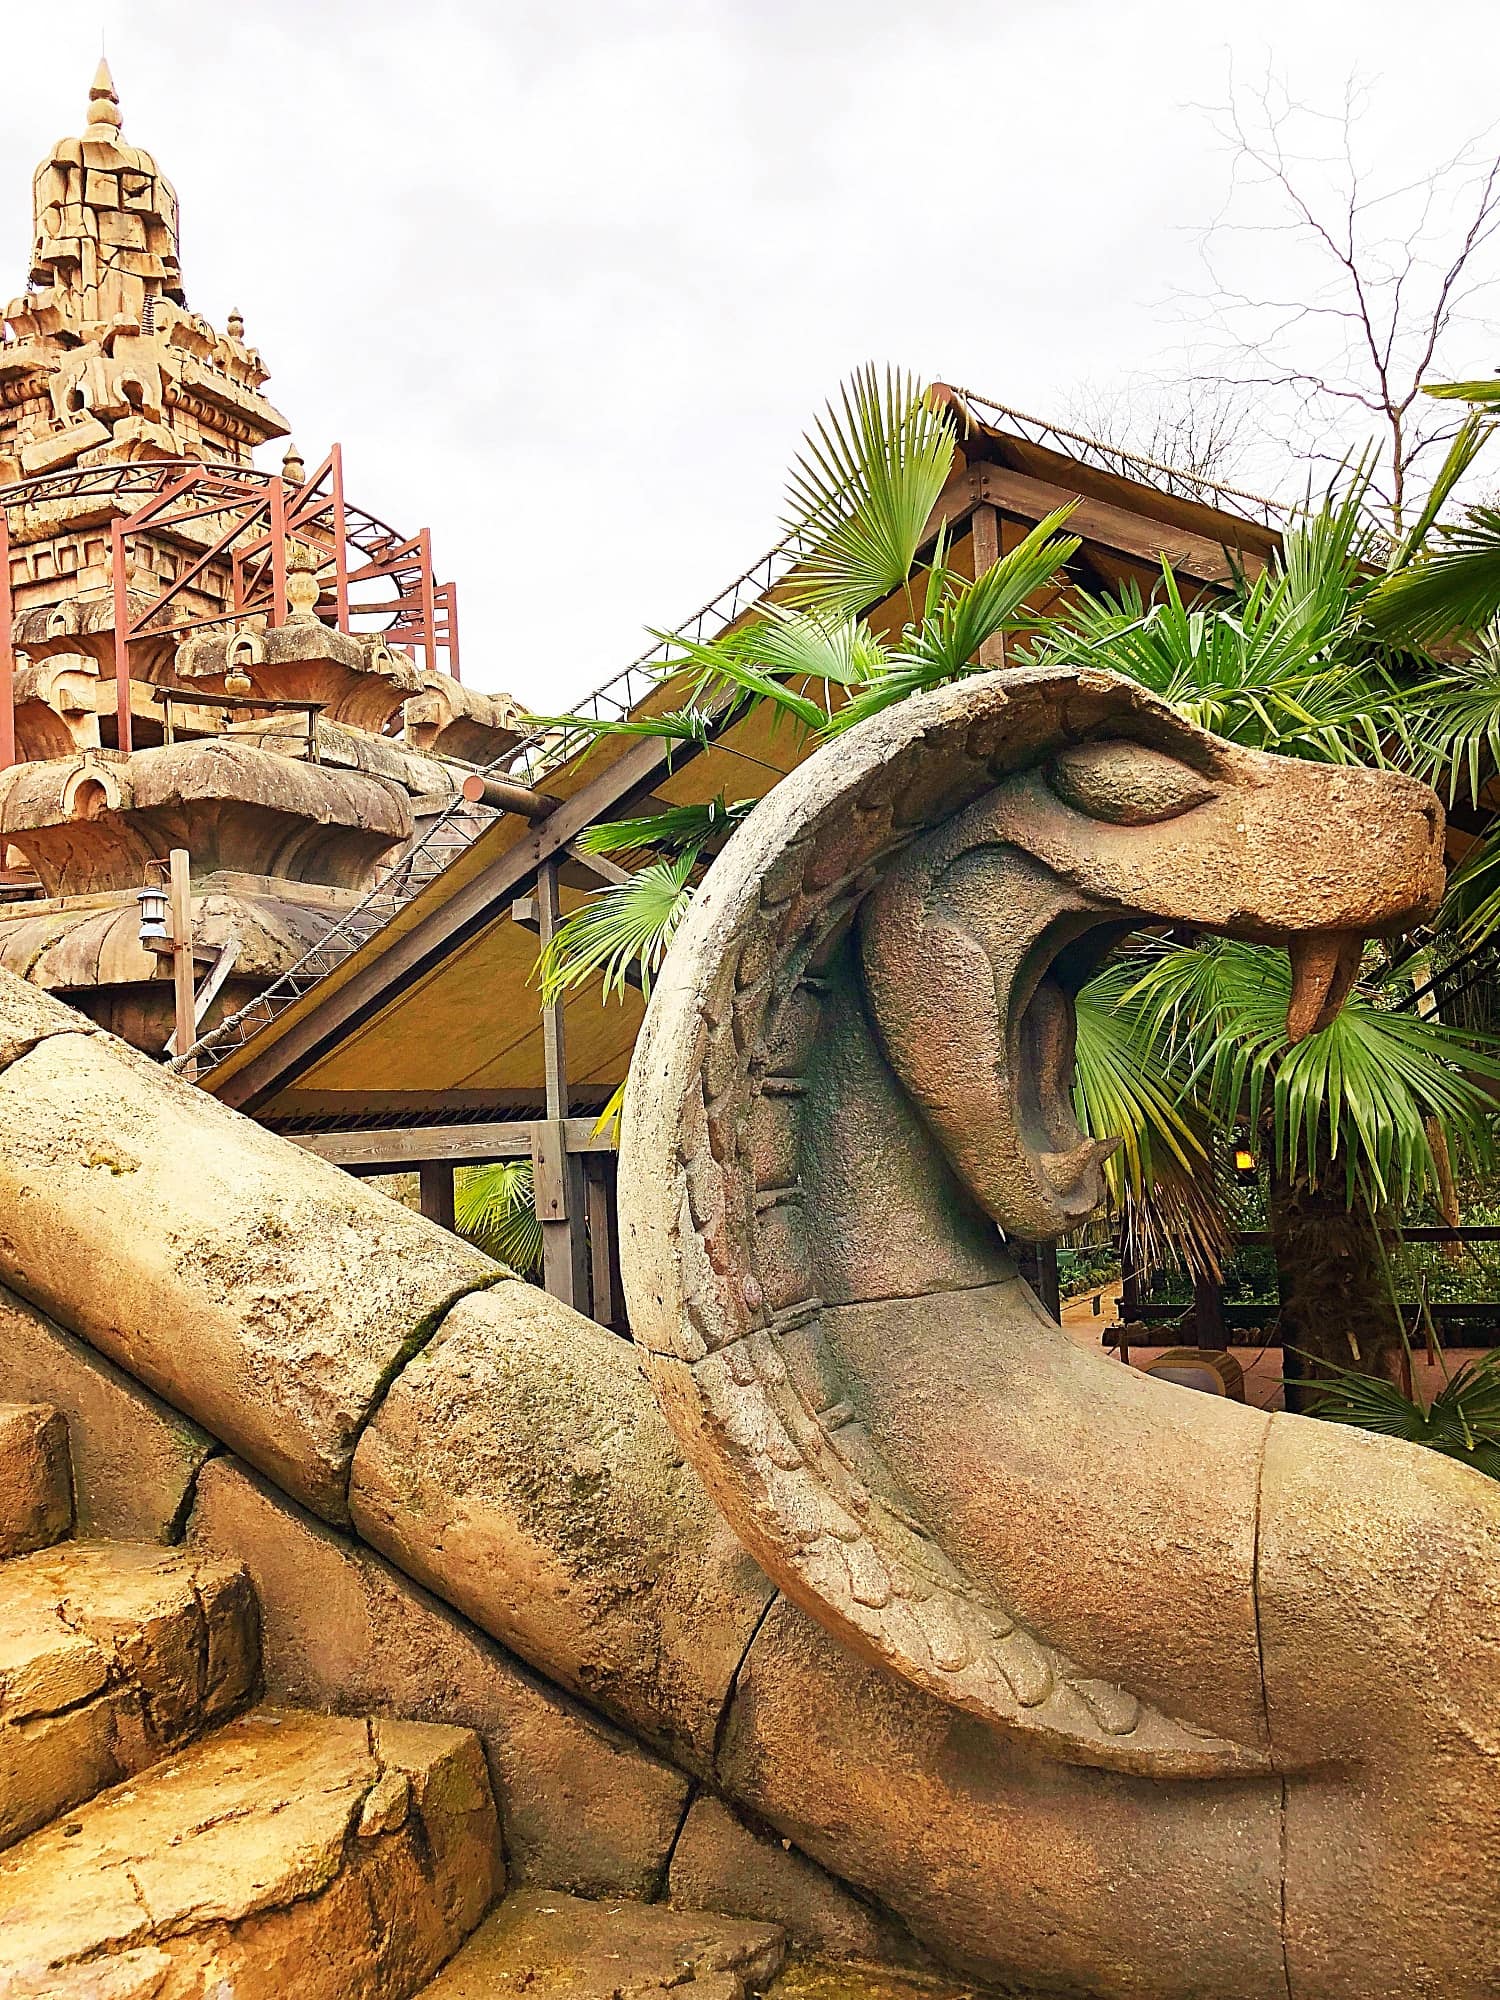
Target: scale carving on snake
853 1088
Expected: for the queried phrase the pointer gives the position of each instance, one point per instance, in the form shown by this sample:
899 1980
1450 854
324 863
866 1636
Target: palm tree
495 1207
1180 1041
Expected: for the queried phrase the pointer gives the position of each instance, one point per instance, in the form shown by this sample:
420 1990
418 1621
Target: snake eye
1125 784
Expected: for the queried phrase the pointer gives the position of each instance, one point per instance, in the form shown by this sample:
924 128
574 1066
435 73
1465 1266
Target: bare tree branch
1381 278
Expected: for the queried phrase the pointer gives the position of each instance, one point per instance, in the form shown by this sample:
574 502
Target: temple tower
195 652
104 363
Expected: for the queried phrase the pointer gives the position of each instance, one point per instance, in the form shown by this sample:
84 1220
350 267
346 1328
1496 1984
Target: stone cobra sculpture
852 1087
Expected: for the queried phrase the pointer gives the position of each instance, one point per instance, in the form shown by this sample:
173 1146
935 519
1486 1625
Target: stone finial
293 467
104 105
236 324
302 587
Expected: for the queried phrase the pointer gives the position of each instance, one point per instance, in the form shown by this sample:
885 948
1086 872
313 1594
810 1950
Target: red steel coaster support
7 652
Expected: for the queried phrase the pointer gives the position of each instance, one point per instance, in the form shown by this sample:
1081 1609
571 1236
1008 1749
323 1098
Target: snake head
975 942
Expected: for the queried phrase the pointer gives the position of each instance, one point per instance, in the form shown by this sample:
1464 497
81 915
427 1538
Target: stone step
555 1947
283 1854
112 1655
36 1479
548 1946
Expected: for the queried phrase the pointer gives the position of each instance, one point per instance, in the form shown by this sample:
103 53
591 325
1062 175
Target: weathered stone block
234 1862
111 1655
263 1292
36 1486
134 1458
581 1805
521 1469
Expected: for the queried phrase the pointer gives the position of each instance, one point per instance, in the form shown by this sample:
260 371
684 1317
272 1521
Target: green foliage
494 1207
1462 1421
1445 579
943 645
675 829
862 491
1281 666
1358 1093
1159 1176
627 927
1457 588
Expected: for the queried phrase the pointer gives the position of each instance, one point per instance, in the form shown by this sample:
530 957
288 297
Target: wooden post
180 905
984 525
435 1188
122 636
7 653
601 1235
557 1174
1037 1264
1130 1291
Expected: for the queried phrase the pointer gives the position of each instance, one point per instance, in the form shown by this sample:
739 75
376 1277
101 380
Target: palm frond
674 828
1483 395
622 929
733 668
943 646
1456 727
495 1208
1160 1176
1468 441
1454 589
1462 1421
1121 1089
1359 1092
863 489
1471 907
1282 667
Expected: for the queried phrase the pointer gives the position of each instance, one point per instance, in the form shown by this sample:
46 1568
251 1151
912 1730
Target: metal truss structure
244 522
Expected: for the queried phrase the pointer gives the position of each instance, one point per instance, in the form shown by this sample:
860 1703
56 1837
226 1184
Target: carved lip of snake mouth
1043 1037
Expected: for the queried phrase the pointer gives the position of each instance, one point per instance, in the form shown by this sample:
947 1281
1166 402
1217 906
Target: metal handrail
1096 452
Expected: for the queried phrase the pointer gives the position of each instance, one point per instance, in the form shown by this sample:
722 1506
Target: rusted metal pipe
508 796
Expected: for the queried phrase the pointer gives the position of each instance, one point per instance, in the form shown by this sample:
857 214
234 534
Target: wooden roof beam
337 1005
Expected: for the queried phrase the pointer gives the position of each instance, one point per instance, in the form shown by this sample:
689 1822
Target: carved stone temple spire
106 229
100 361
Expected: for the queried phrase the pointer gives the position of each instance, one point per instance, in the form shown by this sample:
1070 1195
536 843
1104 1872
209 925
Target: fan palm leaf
862 491
1360 1092
495 1208
672 829
1462 1421
626 927
960 617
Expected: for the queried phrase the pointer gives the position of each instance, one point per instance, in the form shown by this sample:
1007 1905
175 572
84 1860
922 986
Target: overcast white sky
567 280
